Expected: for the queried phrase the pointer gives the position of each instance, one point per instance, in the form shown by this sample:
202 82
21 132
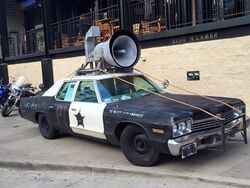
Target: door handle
51 108
74 109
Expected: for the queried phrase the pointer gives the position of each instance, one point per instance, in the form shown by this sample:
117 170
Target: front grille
211 122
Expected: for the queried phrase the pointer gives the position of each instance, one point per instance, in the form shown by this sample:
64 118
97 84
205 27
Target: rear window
66 92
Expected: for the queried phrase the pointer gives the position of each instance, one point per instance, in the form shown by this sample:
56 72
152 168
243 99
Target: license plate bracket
188 150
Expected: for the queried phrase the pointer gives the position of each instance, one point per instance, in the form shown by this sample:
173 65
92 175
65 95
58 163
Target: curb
216 180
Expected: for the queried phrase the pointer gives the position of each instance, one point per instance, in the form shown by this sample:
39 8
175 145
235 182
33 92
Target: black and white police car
143 124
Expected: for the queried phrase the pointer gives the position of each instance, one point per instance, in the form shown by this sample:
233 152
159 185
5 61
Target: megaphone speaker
121 50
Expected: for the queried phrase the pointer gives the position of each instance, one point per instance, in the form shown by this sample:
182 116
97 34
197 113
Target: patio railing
149 16
146 17
71 32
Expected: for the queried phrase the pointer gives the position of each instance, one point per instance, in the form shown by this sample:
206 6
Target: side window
66 91
86 92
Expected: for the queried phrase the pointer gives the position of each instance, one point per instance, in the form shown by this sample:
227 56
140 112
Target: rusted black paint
148 112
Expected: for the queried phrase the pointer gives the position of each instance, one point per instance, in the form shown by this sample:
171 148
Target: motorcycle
4 93
17 90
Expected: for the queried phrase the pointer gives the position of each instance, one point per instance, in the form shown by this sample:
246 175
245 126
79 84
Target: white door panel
87 118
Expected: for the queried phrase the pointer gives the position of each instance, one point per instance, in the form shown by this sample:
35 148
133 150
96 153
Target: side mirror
165 84
41 86
13 78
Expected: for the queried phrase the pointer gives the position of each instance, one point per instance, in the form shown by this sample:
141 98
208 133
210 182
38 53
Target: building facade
37 29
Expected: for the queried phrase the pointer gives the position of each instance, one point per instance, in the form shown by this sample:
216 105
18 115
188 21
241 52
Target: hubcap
141 144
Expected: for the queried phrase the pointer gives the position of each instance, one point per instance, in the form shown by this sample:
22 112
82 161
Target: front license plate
188 150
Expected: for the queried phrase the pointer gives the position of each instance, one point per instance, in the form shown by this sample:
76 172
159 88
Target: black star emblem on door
79 119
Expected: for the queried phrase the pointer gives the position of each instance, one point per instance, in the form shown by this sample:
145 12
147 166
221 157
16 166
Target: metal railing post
125 21
167 14
223 136
4 76
244 126
221 10
247 7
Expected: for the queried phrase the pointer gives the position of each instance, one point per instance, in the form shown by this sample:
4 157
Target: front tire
6 110
46 129
137 148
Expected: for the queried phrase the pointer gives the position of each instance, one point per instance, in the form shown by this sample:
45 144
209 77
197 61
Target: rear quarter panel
31 106
28 108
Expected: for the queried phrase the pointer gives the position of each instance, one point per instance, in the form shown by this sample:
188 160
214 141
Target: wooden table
149 26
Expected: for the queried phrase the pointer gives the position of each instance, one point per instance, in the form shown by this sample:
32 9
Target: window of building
233 8
209 10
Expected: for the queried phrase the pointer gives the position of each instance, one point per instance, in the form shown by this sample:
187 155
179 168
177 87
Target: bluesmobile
113 107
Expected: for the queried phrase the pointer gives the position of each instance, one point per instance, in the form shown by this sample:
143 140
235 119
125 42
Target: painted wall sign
196 38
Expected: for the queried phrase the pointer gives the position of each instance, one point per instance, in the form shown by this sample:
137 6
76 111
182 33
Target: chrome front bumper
204 139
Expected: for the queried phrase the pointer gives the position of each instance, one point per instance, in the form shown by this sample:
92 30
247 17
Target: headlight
182 127
239 111
15 91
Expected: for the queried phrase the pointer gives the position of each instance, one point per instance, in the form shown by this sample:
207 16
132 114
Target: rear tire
137 148
46 129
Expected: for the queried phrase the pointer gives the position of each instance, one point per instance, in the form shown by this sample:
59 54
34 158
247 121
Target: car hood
161 107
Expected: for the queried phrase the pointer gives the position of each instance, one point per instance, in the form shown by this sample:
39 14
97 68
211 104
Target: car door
86 111
58 106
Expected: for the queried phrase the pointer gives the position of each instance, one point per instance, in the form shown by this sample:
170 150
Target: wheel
137 148
46 129
6 110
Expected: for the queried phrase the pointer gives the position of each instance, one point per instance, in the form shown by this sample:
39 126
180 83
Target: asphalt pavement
23 148
77 179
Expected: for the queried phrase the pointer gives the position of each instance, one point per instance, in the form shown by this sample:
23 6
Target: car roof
99 77
54 89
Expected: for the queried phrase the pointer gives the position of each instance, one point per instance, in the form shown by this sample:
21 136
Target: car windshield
113 89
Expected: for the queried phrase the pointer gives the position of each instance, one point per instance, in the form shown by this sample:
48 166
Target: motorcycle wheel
6 110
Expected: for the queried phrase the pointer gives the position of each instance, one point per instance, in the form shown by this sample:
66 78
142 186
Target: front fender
113 133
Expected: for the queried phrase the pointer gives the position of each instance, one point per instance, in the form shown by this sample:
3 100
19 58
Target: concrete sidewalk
22 146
